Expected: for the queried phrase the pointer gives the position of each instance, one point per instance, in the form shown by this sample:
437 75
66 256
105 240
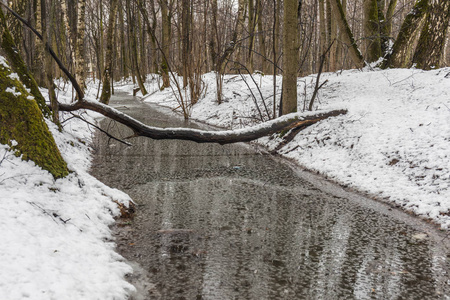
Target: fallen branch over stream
287 122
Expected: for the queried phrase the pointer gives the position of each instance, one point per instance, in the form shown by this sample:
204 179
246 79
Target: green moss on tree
9 49
22 120
401 55
371 29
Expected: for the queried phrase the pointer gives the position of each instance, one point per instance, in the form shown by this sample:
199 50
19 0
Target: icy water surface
228 222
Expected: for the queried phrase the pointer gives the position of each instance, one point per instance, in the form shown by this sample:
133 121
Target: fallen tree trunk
286 122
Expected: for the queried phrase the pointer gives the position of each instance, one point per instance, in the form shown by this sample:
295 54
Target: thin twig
253 96
103 131
317 87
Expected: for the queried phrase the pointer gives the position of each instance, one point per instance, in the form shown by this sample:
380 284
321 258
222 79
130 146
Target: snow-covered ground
394 142
56 243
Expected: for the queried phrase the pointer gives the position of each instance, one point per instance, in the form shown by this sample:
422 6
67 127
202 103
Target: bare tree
106 90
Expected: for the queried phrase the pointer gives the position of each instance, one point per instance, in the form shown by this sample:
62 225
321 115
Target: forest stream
233 222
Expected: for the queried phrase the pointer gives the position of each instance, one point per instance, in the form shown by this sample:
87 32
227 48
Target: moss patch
21 120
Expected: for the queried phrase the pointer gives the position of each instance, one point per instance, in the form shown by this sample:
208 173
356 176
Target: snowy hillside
56 242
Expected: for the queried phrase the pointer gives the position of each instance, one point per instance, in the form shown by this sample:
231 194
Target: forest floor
392 144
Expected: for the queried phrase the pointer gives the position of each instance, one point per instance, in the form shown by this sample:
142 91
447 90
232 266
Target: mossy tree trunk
21 120
401 54
430 48
371 30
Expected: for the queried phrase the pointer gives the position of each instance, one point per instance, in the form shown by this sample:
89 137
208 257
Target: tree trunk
251 33
106 90
386 27
79 50
70 31
151 28
331 37
371 30
123 51
290 57
230 48
347 35
430 48
37 66
401 52
166 38
322 27
48 61
295 120
261 36
133 48
22 121
186 55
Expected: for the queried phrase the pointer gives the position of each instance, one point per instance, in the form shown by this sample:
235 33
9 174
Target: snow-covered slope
56 243
394 143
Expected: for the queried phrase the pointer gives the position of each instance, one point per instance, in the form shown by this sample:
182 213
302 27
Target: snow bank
394 143
56 243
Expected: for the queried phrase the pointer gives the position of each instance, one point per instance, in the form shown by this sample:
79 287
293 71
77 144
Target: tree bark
322 27
186 51
166 38
430 48
401 56
290 57
261 36
386 26
106 89
331 36
79 50
347 35
371 30
251 33
48 62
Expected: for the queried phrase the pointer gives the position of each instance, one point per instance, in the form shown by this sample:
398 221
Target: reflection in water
224 222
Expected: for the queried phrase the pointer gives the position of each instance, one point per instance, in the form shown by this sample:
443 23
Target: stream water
231 222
